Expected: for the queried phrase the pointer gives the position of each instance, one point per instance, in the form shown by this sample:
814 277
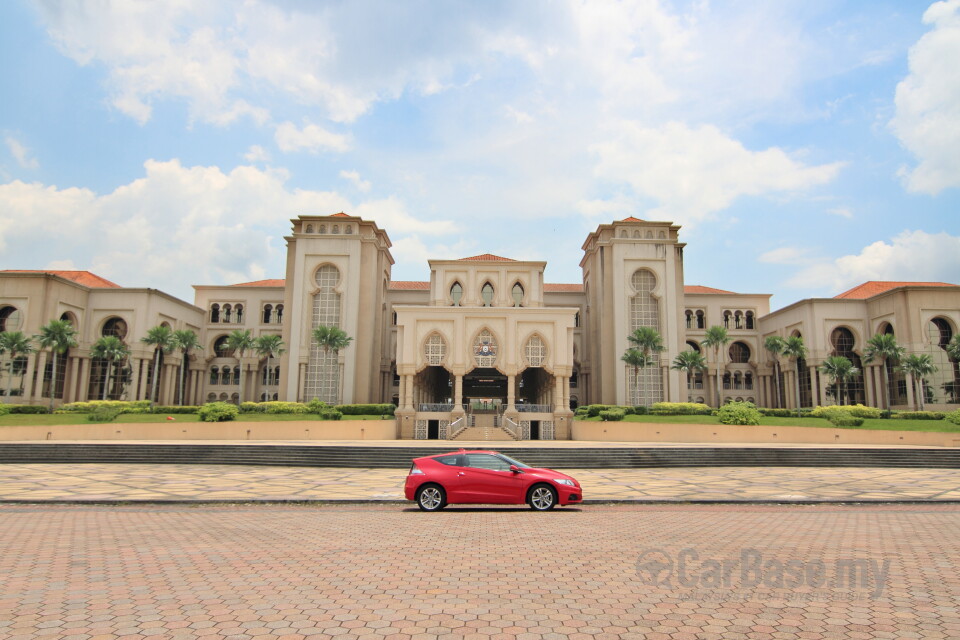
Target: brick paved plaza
246 571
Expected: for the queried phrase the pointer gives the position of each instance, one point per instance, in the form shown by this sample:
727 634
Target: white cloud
910 256
20 153
786 255
843 212
256 153
175 226
354 178
927 119
694 173
310 138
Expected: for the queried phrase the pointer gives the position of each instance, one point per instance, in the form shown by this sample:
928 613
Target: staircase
483 429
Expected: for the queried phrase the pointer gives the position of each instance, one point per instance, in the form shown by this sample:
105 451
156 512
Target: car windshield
516 462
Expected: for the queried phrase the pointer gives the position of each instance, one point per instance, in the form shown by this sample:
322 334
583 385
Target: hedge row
24 408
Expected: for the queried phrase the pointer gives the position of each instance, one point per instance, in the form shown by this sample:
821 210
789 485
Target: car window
486 461
448 460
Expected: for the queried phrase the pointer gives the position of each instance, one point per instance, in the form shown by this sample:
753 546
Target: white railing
534 408
453 433
515 431
435 407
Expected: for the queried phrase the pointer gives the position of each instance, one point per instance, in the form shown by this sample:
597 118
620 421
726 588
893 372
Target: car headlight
565 481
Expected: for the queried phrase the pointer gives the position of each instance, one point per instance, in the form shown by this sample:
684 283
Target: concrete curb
374 501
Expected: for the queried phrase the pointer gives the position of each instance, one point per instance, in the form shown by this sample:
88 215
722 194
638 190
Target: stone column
143 389
868 385
820 395
301 376
457 393
558 394
37 393
27 395
84 379
911 393
511 392
73 377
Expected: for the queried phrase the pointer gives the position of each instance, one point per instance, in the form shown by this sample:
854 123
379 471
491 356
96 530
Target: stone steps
399 457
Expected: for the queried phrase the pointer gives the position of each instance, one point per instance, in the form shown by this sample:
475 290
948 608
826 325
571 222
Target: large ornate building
485 338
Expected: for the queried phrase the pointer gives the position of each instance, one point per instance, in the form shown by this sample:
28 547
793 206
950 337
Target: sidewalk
107 483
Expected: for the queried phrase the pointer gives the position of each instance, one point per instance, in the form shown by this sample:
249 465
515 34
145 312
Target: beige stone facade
484 340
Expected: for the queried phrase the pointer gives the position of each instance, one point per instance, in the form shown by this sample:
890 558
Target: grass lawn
872 424
15 420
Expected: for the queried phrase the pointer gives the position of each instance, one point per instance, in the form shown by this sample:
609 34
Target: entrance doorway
485 389
433 429
534 429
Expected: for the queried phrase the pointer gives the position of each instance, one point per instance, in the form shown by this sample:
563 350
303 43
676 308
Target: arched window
644 312
739 353
748 381
115 327
726 319
279 314
9 319
435 350
236 375
220 348
689 315
517 294
650 235
749 319
227 309
662 235
267 313
535 352
348 229
843 343
737 380
486 294
701 319
636 233
214 313
309 228
456 293
214 375
940 332
323 228
693 346
239 311
336 228
323 367
211 397
738 320
726 381
623 233
223 397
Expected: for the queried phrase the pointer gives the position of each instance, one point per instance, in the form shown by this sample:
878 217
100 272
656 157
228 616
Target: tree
58 336
689 362
239 342
716 338
16 344
113 350
331 339
884 347
793 347
775 344
186 341
269 346
839 369
648 341
953 348
918 366
161 339
638 360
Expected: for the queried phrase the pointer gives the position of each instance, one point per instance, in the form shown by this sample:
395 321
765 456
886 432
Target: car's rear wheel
431 497
542 498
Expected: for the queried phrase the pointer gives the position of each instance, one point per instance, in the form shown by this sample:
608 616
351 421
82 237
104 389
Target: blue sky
804 146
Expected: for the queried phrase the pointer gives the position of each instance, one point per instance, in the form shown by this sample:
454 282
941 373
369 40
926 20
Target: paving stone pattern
374 571
163 482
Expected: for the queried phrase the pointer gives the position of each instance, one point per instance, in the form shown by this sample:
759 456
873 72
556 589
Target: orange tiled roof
562 287
631 219
696 288
411 285
876 287
85 278
489 257
262 283
340 215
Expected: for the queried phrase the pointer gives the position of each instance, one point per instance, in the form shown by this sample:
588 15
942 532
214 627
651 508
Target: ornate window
239 311
485 349
739 353
9 319
309 228
456 293
323 228
267 313
336 228
214 375
348 229
220 348
701 319
535 352
517 294
279 314
115 327
750 320
323 368
214 313
645 312
435 350
227 310
486 293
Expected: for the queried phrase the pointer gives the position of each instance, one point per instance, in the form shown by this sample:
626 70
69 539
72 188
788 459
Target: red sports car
486 477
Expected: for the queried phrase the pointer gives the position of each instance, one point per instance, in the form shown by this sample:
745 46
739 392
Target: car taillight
415 470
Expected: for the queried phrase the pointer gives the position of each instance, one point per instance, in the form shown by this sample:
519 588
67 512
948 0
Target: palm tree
918 366
16 344
716 338
648 341
638 360
840 369
161 339
239 342
884 347
793 347
185 340
953 348
269 345
331 339
689 362
113 350
58 336
775 344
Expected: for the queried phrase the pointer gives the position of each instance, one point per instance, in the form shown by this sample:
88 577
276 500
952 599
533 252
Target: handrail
453 434
534 408
515 433
435 407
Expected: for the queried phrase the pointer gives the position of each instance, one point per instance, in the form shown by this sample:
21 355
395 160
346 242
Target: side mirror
515 468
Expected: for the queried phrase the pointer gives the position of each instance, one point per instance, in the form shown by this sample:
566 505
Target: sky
804 146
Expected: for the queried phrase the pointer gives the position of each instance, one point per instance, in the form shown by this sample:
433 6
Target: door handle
460 473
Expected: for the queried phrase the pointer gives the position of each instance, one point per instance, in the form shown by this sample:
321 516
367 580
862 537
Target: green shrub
920 415
640 410
4 409
862 411
122 406
274 407
28 409
679 409
778 413
366 409
848 421
612 415
218 412
594 410
330 414
185 409
954 417
103 414
739 413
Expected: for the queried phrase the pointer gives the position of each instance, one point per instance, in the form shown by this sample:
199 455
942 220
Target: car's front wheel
542 498
431 497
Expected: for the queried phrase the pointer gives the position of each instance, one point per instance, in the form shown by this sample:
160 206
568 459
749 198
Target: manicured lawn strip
942 426
15 420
